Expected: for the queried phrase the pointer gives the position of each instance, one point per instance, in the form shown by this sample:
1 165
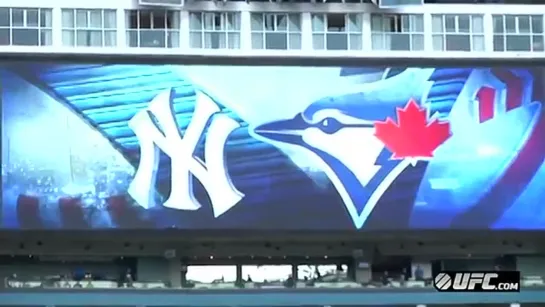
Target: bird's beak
286 130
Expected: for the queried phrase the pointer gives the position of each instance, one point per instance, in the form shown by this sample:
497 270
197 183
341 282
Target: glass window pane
294 24
195 22
537 43
18 17
110 38
110 19
269 22
405 23
499 43
46 37
376 23
336 41
417 23
276 41
437 23
208 20
257 21
457 42
318 24
518 43
355 41
294 41
68 37
497 22
5 37
46 18
510 24
438 42
477 24
450 23
68 18
81 19
173 39
4 17
26 37
477 43
215 40
32 18
257 40
463 24
132 38
524 24
95 20
417 42
152 38
281 22
378 42
318 41
537 24
355 23
233 40
399 41
195 39
233 21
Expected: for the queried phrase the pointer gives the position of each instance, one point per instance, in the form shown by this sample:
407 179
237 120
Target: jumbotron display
89 146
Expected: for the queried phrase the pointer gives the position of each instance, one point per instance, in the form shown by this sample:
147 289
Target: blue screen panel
271 147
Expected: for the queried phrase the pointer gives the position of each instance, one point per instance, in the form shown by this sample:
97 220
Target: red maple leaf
412 136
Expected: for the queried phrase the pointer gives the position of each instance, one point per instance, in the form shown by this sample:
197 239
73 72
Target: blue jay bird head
341 133
339 130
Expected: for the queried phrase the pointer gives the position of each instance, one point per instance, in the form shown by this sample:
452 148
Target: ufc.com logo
477 281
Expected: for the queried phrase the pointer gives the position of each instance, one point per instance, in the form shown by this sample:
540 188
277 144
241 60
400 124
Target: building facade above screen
240 147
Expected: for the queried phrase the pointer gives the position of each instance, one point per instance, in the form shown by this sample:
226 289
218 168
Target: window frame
74 29
42 27
288 31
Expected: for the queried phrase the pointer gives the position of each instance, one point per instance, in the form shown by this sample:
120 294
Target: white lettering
162 133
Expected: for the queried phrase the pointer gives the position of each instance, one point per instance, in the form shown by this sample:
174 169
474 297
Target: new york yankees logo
157 130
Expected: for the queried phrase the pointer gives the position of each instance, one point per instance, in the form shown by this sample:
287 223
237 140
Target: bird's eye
329 125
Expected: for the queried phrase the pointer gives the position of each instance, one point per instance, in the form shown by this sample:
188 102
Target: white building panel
235 27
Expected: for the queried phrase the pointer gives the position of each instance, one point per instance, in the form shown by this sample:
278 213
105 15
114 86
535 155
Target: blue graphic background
65 135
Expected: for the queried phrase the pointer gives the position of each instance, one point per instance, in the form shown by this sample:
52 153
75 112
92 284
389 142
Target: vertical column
488 31
306 32
428 32
245 30
56 19
184 30
175 272
121 28
239 274
366 32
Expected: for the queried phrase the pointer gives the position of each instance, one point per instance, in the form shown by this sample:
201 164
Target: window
25 27
276 31
397 32
207 274
268 274
153 29
458 32
518 33
214 30
92 28
337 31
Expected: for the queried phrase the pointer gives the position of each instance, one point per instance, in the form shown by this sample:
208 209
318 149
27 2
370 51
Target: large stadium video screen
88 146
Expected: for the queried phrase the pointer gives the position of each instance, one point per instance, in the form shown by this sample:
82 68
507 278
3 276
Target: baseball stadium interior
272 153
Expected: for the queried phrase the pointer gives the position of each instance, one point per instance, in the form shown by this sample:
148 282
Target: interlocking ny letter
163 134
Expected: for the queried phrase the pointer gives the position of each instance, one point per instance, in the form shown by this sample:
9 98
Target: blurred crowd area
221 277
94 182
